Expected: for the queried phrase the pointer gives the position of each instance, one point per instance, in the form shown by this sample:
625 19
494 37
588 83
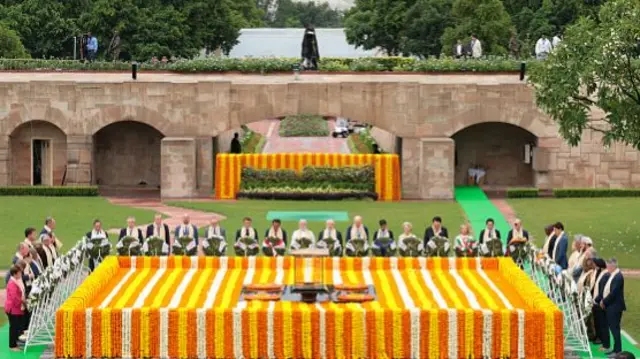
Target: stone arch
127 154
531 120
103 117
498 148
21 114
38 153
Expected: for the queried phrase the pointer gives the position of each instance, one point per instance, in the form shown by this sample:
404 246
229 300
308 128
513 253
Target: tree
426 22
487 19
378 23
289 13
596 67
10 45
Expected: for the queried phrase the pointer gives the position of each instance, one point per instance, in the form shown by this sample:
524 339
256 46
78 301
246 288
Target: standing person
557 39
92 47
131 230
558 244
517 231
14 307
578 248
159 229
187 229
489 231
436 229
458 50
310 52
599 317
236 147
31 241
47 252
114 46
543 48
49 226
613 303
96 233
84 40
476 47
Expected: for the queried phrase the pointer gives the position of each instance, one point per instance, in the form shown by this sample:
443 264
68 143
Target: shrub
362 142
10 45
596 192
251 141
304 126
53 191
307 196
522 192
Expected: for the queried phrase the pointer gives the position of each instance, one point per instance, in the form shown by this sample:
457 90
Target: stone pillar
5 163
79 161
428 168
178 167
204 166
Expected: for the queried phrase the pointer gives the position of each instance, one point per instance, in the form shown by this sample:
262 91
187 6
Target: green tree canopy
487 19
596 67
289 13
426 22
10 45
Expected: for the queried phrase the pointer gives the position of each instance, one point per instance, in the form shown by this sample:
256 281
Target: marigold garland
391 326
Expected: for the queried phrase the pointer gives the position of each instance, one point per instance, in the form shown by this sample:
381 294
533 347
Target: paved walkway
277 144
169 77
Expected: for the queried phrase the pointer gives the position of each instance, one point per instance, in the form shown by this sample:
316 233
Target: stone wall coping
178 139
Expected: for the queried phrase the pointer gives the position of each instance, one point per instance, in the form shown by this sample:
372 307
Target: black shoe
612 354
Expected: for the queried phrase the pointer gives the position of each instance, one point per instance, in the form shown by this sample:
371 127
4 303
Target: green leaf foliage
595 68
10 45
304 126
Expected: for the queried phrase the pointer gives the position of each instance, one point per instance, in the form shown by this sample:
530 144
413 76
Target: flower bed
304 126
229 168
276 65
190 307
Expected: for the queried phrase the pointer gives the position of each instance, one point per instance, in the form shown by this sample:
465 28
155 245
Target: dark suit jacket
603 282
481 239
284 235
428 234
510 235
615 300
375 234
195 231
89 234
43 257
239 234
167 234
561 251
223 232
338 234
366 230
123 233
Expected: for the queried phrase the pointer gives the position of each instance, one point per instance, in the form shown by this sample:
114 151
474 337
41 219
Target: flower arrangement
128 246
304 243
357 247
97 248
438 246
492 248
273 246
519 249
332 244
214 246
155 246
466 247
184 246
384 247
411 247
246 246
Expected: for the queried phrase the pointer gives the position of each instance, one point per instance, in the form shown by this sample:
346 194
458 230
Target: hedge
302 196
304 126
522 192
318 179
50 191
596 192
276 65
362 142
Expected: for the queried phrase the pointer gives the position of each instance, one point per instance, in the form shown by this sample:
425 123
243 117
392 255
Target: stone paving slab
277 144
110 77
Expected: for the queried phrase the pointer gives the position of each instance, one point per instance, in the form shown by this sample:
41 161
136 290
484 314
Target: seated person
465 244
186 229
330 232
404 247
489 231
436 229
357 231
275 231
246 231
383 232
159 229
302 232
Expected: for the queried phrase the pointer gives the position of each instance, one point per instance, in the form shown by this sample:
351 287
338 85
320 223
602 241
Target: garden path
276 144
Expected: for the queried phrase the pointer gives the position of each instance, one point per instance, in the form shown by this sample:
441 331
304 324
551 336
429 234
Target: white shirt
543 45
476 48
459 50
556 41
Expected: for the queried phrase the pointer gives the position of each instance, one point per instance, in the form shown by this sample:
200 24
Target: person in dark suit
236 146
247 230
357 230
436 229
96 233
159 229
47 252
330 231
599 316
187 229
517 231
214 229
613 303
558 245
383 232
47 230
131 231
489 231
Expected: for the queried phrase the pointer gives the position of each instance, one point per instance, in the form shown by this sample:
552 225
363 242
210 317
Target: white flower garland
88 323
164 333
217 280
468 293
126 333
487 335
521 334
182 288
147 288
453 333
201 324
415 333
323 331
426 276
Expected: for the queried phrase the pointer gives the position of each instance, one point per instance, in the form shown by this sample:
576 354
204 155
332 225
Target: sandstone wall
21 151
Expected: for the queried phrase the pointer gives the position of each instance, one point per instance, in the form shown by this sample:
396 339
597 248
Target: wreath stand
43 319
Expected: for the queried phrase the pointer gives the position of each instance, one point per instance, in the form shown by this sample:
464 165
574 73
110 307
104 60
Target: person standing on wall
92 47
236 147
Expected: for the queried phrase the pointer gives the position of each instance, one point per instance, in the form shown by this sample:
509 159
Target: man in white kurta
302 232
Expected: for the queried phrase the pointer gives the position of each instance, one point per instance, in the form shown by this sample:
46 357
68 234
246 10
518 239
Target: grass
304 126
612 223
630 319
74 217
418 213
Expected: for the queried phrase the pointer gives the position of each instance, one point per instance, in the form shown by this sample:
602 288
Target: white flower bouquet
357 247
492 248
411 247
273 246
155 246
246 246
184 246
214 246
332 244
128 246
97 248
438 247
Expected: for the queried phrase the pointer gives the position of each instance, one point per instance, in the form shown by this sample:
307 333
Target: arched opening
127 154
38 154
501 150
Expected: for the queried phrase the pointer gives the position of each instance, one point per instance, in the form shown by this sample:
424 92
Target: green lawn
612 223
418 213
74 217
631 319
